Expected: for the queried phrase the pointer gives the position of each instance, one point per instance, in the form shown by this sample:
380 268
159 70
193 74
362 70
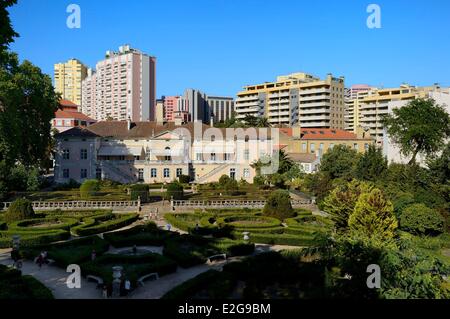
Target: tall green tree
373 218
339 161
420 127
7 33
340 203
28 103
372 165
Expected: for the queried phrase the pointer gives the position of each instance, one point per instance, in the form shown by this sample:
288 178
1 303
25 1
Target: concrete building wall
68 80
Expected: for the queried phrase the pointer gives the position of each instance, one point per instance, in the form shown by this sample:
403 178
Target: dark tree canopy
372 164
420 127
7 33
27 105
339 161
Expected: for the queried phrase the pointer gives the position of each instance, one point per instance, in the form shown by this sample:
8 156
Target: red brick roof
69 114
322 134
66 103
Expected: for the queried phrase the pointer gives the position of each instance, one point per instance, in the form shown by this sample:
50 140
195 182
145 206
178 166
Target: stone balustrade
70 205
230 203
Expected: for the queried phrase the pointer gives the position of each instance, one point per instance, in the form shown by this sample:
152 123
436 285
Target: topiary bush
140 190
20 209
278 205
89 188
418 219
184 179
174 190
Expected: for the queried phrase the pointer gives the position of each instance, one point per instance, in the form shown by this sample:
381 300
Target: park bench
95 278
211 259
143 278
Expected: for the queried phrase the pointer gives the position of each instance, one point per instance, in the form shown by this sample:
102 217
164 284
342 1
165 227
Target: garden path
55 278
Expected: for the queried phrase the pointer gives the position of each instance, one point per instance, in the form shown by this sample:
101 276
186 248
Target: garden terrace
55 226
299 231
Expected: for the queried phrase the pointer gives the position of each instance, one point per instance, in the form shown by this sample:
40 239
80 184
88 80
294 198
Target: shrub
141 235
140 190
418 219
27 225
89 188
20 209
15 286
401 202
134 266
278 205
211 284
92 227
184 179
175 191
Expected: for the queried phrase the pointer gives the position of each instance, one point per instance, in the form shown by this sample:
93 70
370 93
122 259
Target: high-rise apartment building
380 102
68 78
295 99
122 87
352 97
196 106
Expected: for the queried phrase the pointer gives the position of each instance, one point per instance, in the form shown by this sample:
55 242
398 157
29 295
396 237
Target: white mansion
152 152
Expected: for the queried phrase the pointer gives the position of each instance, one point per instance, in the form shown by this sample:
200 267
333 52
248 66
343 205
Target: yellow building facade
295 99
68 78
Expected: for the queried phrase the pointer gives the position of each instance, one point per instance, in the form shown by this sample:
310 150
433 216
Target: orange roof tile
65 114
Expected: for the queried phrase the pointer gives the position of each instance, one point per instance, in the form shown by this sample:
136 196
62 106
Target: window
232 173
179 172
83 173
313 147
321 146
226 157
246 172
83 154
153 172
98 173
246 155
66 154
199 157
331 145
141 174
213 156
166 173
366 146
167 157
355 146
66 173
304 148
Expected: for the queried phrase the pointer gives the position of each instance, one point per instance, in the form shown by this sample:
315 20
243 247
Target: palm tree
263 122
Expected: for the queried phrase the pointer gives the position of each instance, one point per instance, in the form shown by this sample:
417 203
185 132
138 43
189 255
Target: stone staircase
205 177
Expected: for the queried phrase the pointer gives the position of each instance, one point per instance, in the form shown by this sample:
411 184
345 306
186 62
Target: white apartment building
352 97
123 86
380 102
295 99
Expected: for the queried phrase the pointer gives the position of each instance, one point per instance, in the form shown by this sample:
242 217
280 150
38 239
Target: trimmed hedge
211 284
140 190
15 286
19 209
134 266
89 188
280 239
29 239
141 235
92 226
23 225
72 252
269 222
75 213
189 250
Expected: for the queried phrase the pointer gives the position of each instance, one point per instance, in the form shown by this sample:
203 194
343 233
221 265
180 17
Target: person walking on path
105 292
40 261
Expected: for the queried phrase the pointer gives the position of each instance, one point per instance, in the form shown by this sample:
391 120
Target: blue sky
218 46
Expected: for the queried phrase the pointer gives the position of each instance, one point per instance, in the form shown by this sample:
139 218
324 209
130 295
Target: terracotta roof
119 129
322 134
67 103
77 131
68 114
302 157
